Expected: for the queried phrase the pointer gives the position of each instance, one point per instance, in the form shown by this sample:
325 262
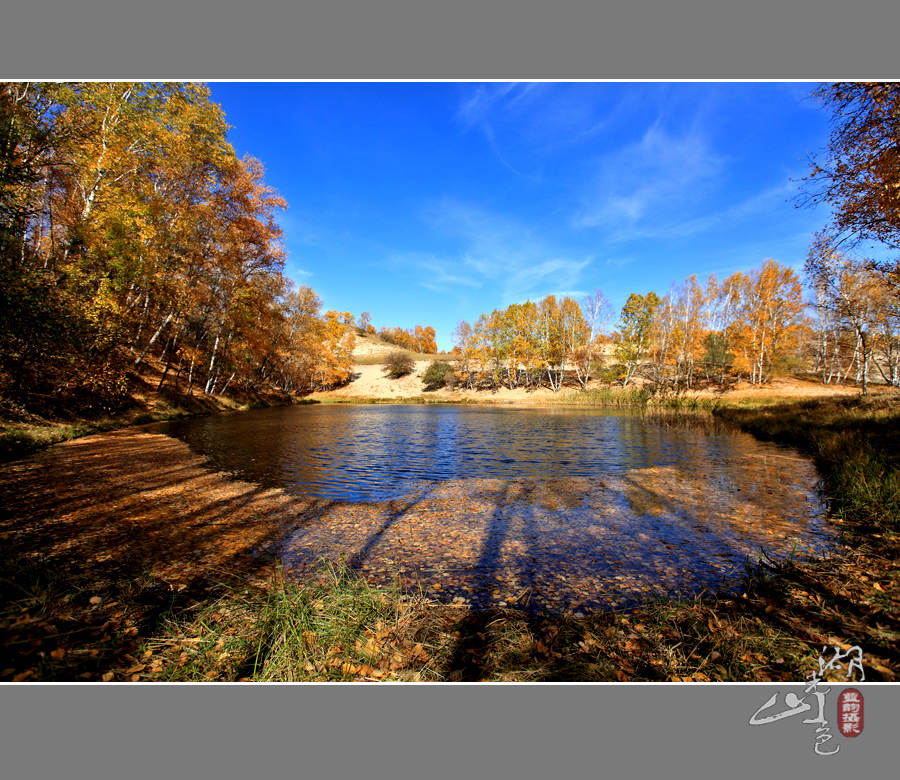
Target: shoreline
19 438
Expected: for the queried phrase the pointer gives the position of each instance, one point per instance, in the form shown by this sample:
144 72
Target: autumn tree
29 136
416 339
530 343
851 297
551 347
886 332
859 173
766 328
524 323
578 340
635 329
722 300
596 313
463 341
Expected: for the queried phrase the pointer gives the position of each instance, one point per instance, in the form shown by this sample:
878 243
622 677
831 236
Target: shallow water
544 508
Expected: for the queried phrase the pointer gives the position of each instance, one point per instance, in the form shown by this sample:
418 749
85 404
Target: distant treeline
129 228
416 340
750 326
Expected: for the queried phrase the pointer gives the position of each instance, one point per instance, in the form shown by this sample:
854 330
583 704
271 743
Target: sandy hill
370 348
369 380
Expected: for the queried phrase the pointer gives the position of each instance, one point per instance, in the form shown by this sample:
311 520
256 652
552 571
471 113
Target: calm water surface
549 508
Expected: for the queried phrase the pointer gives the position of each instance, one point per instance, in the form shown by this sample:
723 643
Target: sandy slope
371 346
370 381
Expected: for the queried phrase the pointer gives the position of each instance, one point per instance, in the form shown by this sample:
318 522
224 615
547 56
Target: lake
548 509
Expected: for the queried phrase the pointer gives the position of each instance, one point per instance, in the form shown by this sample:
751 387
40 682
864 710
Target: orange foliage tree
766 328
418 339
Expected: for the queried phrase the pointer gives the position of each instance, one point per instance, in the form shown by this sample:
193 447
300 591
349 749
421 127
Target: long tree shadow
104 538
467 656
397 511
834 615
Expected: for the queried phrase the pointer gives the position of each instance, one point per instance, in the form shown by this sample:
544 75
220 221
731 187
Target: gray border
541 731
402 39
450 731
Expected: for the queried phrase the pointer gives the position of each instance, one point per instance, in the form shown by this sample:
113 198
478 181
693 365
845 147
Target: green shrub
439 374
398 364
609 374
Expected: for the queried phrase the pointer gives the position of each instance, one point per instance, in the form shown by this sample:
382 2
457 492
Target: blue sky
427 203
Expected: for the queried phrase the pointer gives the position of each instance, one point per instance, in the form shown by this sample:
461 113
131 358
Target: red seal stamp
850 712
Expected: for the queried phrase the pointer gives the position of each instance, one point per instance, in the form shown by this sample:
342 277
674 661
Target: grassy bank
615 397
604 397
18 439
853 442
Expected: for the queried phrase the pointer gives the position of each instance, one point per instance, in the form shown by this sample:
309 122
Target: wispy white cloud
617 262
298 235
486 106
760 203
578 295
521 122
547 115
485 101
497 250
502 158
650 182
435 273
298 230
